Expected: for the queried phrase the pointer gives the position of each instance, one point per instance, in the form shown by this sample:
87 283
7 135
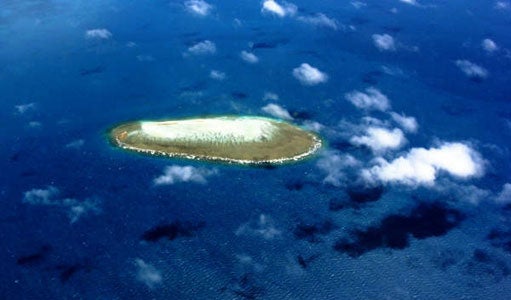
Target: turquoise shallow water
81 219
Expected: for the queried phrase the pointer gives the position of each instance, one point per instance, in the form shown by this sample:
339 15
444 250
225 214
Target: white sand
214 130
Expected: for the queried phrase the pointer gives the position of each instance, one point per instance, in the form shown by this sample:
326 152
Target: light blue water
250 233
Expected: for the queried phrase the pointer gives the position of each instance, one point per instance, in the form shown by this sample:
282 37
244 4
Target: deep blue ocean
409 198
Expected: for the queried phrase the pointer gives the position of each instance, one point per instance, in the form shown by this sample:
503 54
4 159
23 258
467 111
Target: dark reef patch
426 220
244 287
172 231
92 71
363 194
311 231
304 262
66 271
34 258
486 268
239 95
500 239
372 77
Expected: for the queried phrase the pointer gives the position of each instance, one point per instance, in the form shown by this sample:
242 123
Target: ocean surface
409 198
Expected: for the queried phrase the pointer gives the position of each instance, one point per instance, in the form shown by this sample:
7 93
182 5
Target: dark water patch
446 258
67 271
244 287
172 231
456 109
359 20
391 28
35 258
15 157
197 86
372 77
338 203
270 44
311 231
486 267
301 115
294 184
239 95
304 262
363 194
28 173
92 71
500 239
426 220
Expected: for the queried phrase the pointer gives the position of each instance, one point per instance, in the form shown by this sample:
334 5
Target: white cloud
147 274
23 108
334 165
145 58
249 57
384 42
274 8
270 96
313 126
99 33
263 227
50 197
471 69
421 166
502 5
34 124
198 7
320 20
372 99
380 139
409 124
504 197
411 2
175 174
308 75
76 144
489 45
217 75
277 111
358 4
203 48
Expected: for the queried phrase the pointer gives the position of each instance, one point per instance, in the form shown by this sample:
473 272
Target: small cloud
198 7
76 144
277 111
320 20
358 4
308 75
23 108
313 126
409 124
380 139
372 99
263 227
174 174
34 124
131 44
249 57
411 2
421 166
145 58
50 197
203 48
504 197
334 165
471 69
274 8
147 274
489 45
384 42
217 75
502 5
270 96
99 33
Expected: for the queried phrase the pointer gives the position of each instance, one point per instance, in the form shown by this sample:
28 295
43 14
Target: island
233 139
